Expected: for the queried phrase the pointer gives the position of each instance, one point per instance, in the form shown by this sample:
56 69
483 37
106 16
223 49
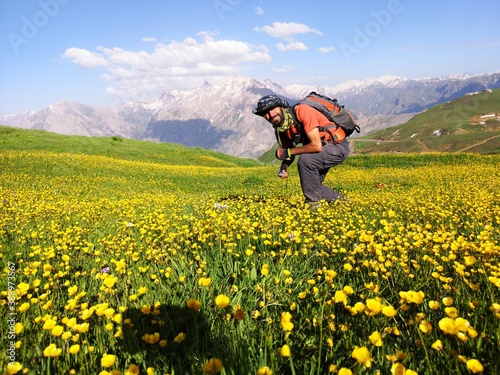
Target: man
318 153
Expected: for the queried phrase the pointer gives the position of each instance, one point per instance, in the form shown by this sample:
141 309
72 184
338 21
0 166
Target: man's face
274 116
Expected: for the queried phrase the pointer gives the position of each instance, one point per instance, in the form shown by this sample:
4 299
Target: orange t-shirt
310 118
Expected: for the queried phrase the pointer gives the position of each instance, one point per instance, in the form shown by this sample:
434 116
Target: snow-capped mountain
219 116
390 95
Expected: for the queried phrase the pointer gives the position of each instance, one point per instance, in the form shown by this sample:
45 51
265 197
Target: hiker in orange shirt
319 152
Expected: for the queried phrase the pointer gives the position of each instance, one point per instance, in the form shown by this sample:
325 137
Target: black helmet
268 102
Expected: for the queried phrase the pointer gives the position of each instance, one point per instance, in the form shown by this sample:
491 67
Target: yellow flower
475 366
23 288
447 301
438 345
87 313
398 369
362 356
13 368
193 304
51 351
389 311
142 290
348 290
469 260
74 349
451 312
180 337
333 368
462 324
345 371
49 324
434 305
57 330
472 333
205 281
285 322
448 326
265 269
412 296
222 301
24 307
425 326
340 296
373 307
285 351
151 339
264 370
72 290
110 281
376 338
348 267
18 328
213 366
132 370
146 310
108 360
150 371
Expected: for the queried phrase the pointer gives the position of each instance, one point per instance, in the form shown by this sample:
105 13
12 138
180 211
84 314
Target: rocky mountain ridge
219 116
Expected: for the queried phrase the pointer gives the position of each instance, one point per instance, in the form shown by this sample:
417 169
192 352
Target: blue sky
107 52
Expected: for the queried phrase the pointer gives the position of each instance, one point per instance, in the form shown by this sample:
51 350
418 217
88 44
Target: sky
109 52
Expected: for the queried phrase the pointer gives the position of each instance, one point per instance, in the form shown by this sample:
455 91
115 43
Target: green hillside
117 147
456 126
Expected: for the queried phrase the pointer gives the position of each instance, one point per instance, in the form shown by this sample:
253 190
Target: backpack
334 112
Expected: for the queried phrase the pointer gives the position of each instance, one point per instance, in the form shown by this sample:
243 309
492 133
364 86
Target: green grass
161 220
458 122
117 147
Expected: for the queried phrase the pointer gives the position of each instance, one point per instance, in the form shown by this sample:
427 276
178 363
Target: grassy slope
457 121
116 147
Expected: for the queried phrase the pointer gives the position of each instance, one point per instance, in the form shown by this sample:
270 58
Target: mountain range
219 116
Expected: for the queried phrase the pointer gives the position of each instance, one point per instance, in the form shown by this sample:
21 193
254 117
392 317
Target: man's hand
282 173
283 154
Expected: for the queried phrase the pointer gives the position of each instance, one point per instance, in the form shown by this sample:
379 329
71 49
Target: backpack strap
298 125
337 135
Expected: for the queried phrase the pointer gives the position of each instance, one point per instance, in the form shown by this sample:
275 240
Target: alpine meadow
122 256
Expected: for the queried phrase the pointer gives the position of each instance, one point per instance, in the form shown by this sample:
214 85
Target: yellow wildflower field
121 267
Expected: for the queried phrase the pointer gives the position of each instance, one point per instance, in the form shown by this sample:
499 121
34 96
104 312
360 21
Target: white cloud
291 46
326 49
147 39
283 69
259 11
287 29
177 65
84 58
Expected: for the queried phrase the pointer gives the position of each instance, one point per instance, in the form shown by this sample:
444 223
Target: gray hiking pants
314 167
